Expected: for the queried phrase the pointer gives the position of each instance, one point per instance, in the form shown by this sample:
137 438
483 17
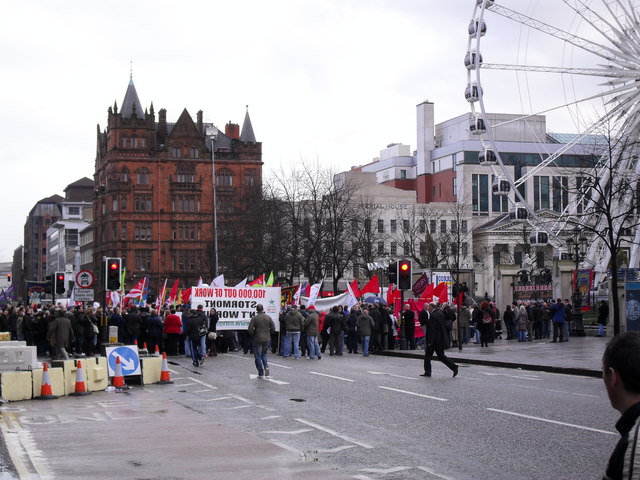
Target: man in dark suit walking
436 340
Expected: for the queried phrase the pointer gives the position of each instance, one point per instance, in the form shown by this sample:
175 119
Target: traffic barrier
46 393
81 388
165 377
118 379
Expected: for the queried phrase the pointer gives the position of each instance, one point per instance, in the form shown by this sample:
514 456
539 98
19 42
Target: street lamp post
577 249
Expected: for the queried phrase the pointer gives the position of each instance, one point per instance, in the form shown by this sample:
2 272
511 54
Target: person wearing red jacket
172 329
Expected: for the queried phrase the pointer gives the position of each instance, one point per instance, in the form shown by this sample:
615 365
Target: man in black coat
409 326
436 340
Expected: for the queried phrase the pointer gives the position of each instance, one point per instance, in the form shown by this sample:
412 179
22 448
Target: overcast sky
332 80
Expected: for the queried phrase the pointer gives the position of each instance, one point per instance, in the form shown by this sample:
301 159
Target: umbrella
375 299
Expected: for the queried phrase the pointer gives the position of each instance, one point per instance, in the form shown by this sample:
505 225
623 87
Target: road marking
556 391
385 470
332 376
414 393
335 450
272 380
333 432
183 384
551 421
428 470
22 448
521 377
211 399
270 417
202 383
279 365
201 391
392 375
286 447
290 432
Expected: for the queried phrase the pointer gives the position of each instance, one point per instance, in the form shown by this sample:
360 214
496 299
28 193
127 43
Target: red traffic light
60 277
114 266
404 266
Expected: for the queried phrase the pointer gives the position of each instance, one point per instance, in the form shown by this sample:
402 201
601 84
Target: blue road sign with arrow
129 359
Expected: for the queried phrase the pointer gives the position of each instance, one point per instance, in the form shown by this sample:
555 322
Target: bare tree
419 237
608 203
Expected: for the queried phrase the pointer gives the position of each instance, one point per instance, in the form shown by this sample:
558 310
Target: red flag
427 294
355 289
460 300
390 294
173 294
372 287
258 282
441 291
186 295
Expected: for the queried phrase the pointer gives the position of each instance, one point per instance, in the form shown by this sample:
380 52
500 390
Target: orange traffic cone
45 390
81 388
118 379
157 351
164 374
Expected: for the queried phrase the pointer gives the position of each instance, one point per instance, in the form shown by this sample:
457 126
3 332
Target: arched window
224 178
143 176
195 151
175 151
124 174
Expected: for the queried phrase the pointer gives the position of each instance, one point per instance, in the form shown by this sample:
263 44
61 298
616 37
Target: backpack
486 317
202 329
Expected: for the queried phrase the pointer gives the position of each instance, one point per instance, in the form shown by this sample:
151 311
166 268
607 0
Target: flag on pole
270 280
296 296
186 295
372 287
427 293
199 284
313 294
135 293
258 282
145 290
242 284
173 294
351 300
163 292
355 289
218 281
441 291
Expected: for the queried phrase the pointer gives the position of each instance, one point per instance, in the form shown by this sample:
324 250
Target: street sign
83 295
84 279
129 360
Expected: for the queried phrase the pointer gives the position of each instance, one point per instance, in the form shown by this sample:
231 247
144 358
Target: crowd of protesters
304 332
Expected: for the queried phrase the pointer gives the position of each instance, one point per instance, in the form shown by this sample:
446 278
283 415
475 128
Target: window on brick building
142 231
175 151
186 231
114 204
143 260
224 178
124 175
142 202
250 177
185 203
143 176
195 151
123 232
123 202
185 174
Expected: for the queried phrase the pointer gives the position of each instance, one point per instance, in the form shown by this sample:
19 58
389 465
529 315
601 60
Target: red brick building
154 190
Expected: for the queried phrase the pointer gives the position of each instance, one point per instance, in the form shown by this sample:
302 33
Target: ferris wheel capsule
473 92
487 157
518 212
487 3
501 186
470 59
475 26
477 125
538 238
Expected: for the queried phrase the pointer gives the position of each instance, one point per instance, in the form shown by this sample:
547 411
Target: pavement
578 356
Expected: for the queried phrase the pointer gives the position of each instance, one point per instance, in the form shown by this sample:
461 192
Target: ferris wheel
574 63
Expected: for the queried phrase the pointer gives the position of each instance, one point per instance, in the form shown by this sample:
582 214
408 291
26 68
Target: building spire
247 134
131 104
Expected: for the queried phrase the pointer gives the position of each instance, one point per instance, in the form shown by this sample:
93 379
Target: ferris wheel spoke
597 72
593 47
596 20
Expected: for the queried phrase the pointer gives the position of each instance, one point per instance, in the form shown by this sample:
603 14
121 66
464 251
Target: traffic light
114 270
48 286
9 277
392 272
404 274
59 283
